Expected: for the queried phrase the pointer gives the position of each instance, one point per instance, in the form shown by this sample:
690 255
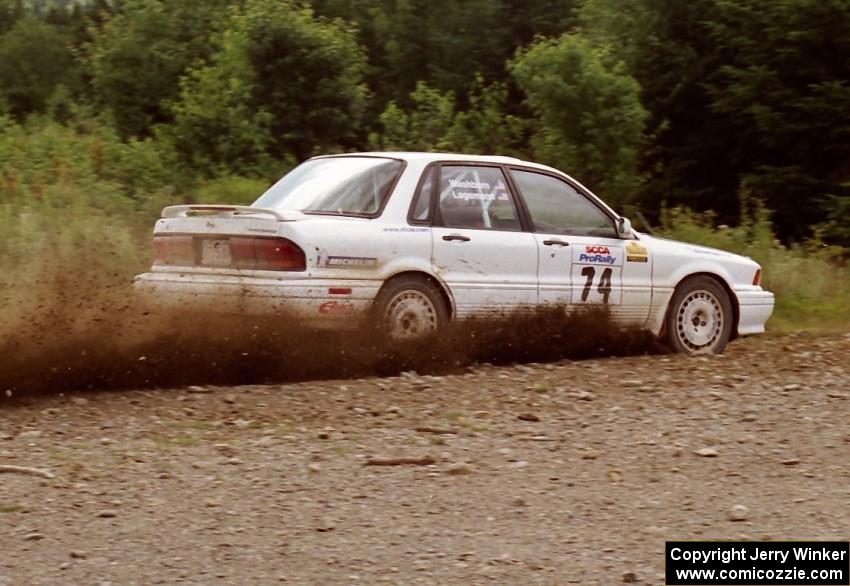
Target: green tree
589 119
486 127
34 61
784 89
216 128
623 25
423 128
10 12
444 42
743 95
836 227
282 84
433 123
136 58
686 159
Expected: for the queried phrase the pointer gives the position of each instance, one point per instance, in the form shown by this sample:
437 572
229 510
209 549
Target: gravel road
567 473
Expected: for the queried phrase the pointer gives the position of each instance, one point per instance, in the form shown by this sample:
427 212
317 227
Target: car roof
412 156
428 157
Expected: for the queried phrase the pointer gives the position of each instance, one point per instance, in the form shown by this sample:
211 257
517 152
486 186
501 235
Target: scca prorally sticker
598 254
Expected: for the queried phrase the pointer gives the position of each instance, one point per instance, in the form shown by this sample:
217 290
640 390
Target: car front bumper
754 308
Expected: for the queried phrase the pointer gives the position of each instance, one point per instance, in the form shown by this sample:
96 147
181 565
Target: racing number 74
604 287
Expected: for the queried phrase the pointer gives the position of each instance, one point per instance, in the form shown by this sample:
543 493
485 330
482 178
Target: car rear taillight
757 277
173 250
238 252
267 254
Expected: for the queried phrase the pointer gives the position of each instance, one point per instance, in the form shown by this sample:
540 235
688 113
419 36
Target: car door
479 247
583 261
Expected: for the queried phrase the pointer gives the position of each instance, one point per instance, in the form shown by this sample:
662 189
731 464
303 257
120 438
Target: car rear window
348 186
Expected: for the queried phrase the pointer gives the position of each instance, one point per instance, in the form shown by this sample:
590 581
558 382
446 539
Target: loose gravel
564 473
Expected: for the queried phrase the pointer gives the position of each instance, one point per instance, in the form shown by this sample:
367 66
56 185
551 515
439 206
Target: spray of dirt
76 332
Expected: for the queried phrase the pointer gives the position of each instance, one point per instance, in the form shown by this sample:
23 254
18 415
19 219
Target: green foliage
786 98
433 124
72 193
216 129
486 127
115 176
34 62
837 225
730 94
424 128
622 25
589 119
811 283
48 236
230 189
136 58
10 12
444 42
282 85
745 94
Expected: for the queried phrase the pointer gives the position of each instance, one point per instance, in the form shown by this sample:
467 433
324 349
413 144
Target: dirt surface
574 472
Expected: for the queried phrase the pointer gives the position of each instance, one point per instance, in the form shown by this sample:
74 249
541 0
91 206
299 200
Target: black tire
409 308
699 318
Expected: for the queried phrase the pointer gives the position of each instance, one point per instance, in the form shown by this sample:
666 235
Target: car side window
476 197
557 208
421 207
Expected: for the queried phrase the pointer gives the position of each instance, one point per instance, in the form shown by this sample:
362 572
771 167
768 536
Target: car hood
673 256
676 246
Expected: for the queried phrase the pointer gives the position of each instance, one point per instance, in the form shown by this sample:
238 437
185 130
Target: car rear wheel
699 320
409 308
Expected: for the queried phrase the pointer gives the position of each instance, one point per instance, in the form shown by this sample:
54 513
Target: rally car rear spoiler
183 211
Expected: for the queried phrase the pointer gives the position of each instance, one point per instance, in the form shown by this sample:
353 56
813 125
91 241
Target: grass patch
811 282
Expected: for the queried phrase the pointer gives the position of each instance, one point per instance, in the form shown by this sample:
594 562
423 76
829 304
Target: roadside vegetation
811 281
722 122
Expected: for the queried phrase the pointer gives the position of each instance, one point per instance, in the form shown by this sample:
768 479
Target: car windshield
348 186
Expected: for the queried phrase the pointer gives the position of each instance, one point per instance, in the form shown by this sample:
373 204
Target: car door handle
555 242
460 237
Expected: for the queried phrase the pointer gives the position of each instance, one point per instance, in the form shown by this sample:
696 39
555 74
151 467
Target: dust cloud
76 333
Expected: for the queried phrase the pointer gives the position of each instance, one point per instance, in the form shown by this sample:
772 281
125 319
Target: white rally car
418 239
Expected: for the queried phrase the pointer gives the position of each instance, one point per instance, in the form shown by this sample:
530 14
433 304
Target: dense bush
71 193
588 114
811 282
281 85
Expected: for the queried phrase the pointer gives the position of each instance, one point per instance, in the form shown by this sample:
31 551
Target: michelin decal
331 261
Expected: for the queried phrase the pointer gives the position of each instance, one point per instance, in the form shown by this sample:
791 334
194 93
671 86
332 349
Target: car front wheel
408 308
699 320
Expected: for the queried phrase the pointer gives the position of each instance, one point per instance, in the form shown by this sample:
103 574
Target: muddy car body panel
493 234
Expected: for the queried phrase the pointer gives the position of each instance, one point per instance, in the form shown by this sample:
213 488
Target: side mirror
624 227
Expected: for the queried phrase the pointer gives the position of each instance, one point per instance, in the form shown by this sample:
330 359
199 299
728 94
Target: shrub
811 282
